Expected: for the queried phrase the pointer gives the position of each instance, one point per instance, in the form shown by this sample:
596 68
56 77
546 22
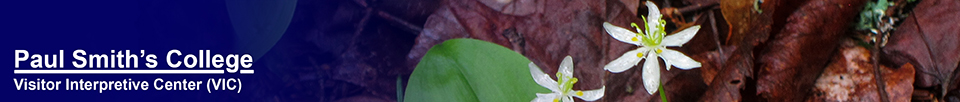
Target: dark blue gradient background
98 26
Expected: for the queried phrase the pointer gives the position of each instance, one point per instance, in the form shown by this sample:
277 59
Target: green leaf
468 70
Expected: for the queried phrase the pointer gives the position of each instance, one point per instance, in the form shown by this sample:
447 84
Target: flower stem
663 94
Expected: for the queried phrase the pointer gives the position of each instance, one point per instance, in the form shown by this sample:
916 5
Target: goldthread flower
652 44
562 88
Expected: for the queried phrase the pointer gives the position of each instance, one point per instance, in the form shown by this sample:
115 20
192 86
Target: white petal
591 95
543 79
566 67
545 97
653 15
678 59
653 10
621 33
665 62
566 99
651 74
626 61
682 37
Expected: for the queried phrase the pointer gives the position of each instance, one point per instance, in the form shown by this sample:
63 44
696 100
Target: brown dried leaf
851 77
747 25
747 28
792 60
929 39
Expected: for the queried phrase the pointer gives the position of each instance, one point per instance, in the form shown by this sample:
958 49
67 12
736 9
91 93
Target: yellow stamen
574 81
640 55
634 39
659 51
556 100
579 93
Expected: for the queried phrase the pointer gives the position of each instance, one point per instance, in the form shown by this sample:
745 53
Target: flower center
566 83
654 34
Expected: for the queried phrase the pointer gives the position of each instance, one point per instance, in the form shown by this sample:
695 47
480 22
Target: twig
881 85
671 11
410 27
674 12
716 35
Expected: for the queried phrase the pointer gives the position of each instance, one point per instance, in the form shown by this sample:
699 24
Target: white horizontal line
120 71
246 71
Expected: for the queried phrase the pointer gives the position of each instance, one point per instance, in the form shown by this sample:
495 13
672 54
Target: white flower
652 45
562 89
